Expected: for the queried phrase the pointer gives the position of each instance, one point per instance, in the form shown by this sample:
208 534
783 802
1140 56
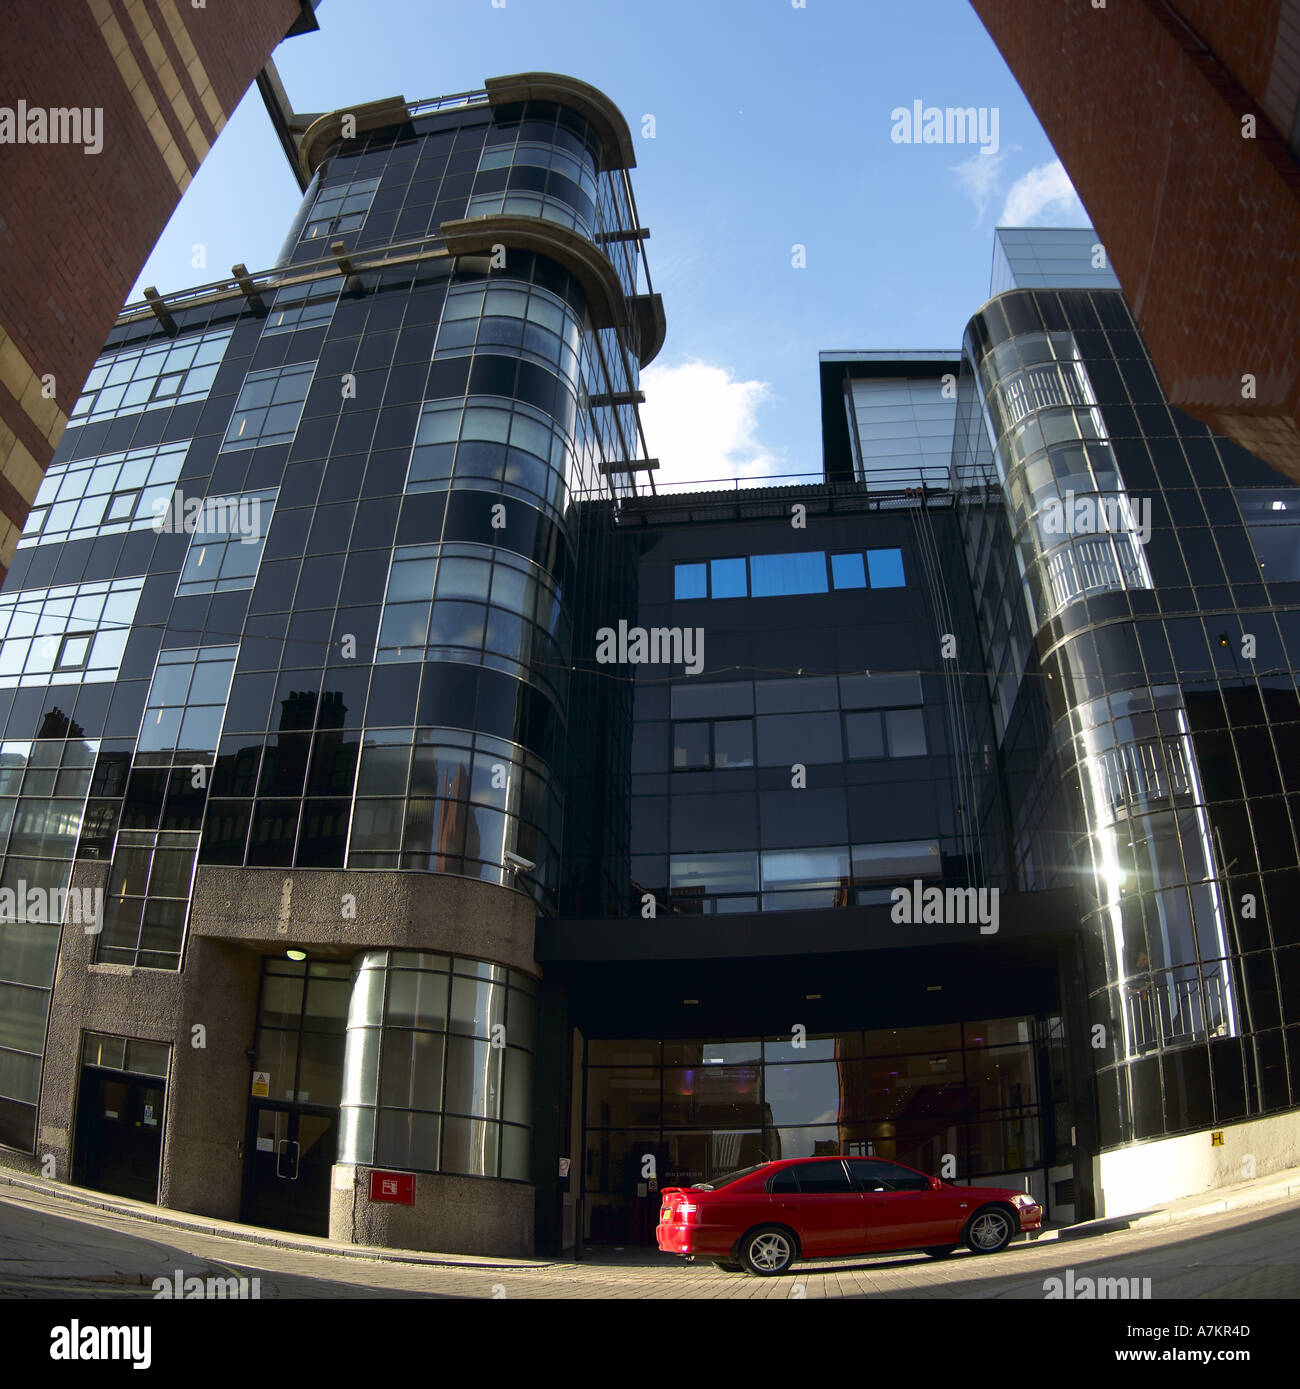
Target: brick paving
49 1248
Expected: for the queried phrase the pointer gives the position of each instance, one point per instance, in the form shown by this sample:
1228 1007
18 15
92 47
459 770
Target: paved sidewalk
76 1200
1277 1186
73 1260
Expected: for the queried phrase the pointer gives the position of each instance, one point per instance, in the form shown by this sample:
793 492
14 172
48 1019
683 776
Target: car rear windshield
728 1178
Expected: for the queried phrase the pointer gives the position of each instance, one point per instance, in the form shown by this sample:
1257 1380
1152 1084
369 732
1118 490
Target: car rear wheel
990 1230
940 1251
727 1266
767 1250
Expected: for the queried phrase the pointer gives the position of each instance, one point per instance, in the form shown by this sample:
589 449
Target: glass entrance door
288 1158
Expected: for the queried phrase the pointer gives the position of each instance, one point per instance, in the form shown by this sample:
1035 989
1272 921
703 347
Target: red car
764 1218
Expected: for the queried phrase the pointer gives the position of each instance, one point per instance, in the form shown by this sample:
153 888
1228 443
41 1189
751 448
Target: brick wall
75 228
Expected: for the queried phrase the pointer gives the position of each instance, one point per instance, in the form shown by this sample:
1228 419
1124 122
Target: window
476 604
527 322
806 694
733 743
167 386
690 745
901 861
772 576
121 505
879 691
692 701
776 575
41 630
847 571
269 406
147 900
104 495
864 735
786 869
784 739
187 699
488 443
75 651
723 743
886 568
227 543
437 1095
728 579
125 382
707 874
823 1179
341 207
905 729
303 306
691 581
113 1053
869 1175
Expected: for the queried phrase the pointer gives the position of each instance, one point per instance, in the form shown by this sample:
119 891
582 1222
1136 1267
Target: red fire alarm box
398 1187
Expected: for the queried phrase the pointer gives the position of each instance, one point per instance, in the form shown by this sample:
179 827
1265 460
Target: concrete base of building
450 1215
1146 1175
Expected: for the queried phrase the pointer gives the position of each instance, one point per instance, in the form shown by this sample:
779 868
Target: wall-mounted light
296 954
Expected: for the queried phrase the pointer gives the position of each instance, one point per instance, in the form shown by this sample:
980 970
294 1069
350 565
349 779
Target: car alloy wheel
989 1231
768 1251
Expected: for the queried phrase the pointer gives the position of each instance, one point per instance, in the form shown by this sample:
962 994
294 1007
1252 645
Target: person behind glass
1139 991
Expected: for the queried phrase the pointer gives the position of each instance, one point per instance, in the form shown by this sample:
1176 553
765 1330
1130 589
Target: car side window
870 1174
824 1178
787 1179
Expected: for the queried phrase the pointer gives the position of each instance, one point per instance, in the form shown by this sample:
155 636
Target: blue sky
772 128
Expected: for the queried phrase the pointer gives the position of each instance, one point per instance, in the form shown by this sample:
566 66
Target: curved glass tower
1136 660
304 679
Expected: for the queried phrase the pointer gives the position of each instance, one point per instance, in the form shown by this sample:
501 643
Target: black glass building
419 830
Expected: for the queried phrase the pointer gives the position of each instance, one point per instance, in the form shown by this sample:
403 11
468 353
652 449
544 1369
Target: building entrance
966 1101
118 1140
291 1141
289 1154
119 1133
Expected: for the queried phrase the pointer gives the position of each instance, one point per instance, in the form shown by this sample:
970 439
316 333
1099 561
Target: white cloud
702 423
979 177
1044 193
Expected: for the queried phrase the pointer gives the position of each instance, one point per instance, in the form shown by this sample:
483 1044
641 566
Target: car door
898 1205
820 1201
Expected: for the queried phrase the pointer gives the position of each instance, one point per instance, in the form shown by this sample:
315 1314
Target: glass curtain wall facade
299 592
705 1107
1142 664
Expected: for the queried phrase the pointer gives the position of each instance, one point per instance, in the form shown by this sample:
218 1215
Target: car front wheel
767 1250
989 1230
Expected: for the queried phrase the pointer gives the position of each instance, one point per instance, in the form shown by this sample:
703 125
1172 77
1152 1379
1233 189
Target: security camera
517 862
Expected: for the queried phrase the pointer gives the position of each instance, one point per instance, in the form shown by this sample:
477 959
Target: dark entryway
291 1140
119 1133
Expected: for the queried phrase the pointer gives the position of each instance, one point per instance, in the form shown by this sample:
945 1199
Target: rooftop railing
895 482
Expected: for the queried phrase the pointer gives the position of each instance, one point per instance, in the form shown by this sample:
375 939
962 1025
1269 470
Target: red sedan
764 1218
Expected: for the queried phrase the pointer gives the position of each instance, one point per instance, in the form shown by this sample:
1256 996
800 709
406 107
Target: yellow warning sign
262 1083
